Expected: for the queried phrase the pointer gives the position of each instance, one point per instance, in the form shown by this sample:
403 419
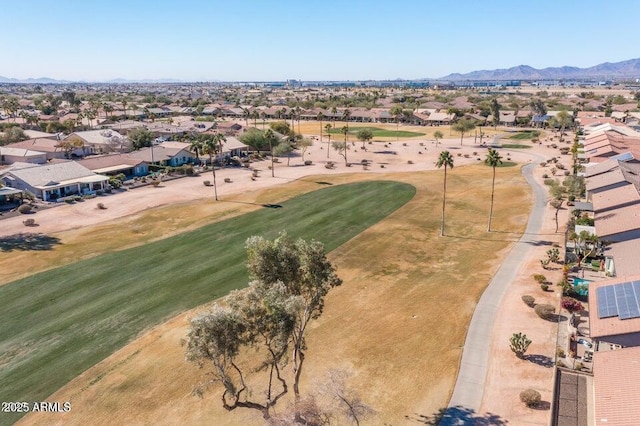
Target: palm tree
345 131
210 146
197 147
328 126
124 108
345 116
320 117
270 137
396 111
445 159
334 113
493 159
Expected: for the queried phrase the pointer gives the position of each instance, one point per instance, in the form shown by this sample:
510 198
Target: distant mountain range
629 69
607 70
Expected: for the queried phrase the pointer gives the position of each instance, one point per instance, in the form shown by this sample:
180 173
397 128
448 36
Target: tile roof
625 257
603 180
612 326
40 144
98 137
52 174
616 375
98 162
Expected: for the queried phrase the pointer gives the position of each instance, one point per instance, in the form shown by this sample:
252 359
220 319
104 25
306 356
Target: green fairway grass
515 146
56 324
379 133
526 135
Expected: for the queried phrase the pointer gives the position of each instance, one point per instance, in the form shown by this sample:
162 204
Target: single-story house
113 164
233 147
50 147
101 141
52 181
9 155
173 154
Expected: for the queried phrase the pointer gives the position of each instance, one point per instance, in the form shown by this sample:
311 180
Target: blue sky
243 40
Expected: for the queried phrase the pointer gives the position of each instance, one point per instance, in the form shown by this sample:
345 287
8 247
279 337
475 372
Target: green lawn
56 324
378 133
526 135
515 146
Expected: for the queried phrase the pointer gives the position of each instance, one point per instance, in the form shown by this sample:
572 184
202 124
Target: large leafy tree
492 160
437 135
444 160
364 135
463 126
254 138
140 138
291 279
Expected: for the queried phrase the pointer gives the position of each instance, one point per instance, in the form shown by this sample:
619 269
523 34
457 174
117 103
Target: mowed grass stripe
56 324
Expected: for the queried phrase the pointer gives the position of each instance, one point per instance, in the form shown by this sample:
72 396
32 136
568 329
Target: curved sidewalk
469 387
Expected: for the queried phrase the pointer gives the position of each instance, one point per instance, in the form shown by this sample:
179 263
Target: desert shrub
29 222
101 206
543 164
545 176
69 200
571 305
540 278
530 397
544 287
567 173
579 366
560 353
24 209
560 166
530 301
560 363
155 182
89 196
546 312
206 183
99 192
308 162
550 182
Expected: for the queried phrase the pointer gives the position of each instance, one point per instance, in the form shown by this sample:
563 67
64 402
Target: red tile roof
616 377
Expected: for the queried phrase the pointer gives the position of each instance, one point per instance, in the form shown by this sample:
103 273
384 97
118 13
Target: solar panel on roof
607 306
626 301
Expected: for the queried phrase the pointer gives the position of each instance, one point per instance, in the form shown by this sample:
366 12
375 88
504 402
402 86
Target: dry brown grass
398 322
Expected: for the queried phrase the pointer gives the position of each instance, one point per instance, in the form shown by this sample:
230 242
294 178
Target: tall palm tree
210 146
124 108
334 113
346 114
345 131
270 137
320 117
396 111
493 159
445 159
328 126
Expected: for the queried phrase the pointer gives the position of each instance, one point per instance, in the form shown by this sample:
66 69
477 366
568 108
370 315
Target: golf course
58 323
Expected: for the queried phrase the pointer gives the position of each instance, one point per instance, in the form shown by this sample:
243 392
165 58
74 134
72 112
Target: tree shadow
323 183
541 360
542 406
28 241
538 243
457 416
